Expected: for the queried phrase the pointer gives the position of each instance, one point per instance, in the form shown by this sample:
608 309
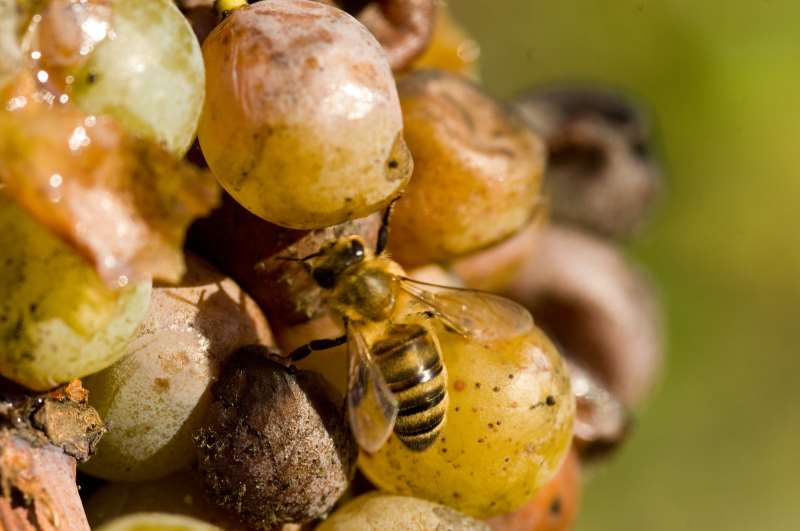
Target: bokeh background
718 445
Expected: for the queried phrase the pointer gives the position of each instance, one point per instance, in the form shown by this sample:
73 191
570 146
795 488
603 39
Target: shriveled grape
477 170
58 320
383 512
148 74
154 398
274 447
508 427
158 522
301 122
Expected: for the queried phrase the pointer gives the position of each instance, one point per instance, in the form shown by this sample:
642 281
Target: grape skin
148 74
58 320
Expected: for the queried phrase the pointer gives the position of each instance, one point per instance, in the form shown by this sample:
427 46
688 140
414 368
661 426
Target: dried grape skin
155 397
508 428
302 123
382 512
58 320
148 74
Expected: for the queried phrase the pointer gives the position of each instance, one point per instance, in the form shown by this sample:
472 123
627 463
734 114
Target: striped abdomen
411 362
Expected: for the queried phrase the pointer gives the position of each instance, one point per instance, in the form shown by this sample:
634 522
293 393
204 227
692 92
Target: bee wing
371 406
471 313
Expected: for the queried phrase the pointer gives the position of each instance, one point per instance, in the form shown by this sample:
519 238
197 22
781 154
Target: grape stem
226 6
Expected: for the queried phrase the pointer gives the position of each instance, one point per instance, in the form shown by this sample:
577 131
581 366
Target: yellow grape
58 321
157 522
508 428
380 512
179 493
477 170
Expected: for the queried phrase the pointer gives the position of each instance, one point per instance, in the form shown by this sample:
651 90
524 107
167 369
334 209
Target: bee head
331 261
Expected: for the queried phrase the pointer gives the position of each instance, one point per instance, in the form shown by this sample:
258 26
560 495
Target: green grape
157 522
148 74
507 430
58 321
379 512
154 398
179 493
302 122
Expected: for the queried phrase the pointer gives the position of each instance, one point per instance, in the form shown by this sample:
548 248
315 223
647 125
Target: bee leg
315 345
383 232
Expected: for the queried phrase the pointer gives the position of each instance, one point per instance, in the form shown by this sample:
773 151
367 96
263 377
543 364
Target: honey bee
397 380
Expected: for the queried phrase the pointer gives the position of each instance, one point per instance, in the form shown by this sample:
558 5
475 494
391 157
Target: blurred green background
718 445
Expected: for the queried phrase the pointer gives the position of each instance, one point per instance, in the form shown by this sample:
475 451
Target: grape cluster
121 125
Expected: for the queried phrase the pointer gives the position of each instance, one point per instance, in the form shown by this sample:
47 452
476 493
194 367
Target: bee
397 380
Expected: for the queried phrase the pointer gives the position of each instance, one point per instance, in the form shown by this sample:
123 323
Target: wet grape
58 320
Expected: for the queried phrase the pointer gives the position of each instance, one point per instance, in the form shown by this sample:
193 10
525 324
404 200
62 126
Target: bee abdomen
422 414
410 361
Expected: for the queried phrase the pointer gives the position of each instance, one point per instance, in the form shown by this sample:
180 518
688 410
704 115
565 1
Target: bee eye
324 277
357 248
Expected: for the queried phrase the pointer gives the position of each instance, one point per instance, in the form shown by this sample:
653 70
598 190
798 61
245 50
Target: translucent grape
508 427
148 74
58 321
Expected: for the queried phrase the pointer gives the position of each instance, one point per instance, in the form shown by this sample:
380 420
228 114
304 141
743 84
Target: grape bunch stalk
285 265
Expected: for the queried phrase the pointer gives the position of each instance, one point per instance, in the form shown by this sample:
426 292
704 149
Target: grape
10 54
301 123
378 512
154 398
157 522
148 74
451 48
179 493
58 320
553 508
477 170
508 427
